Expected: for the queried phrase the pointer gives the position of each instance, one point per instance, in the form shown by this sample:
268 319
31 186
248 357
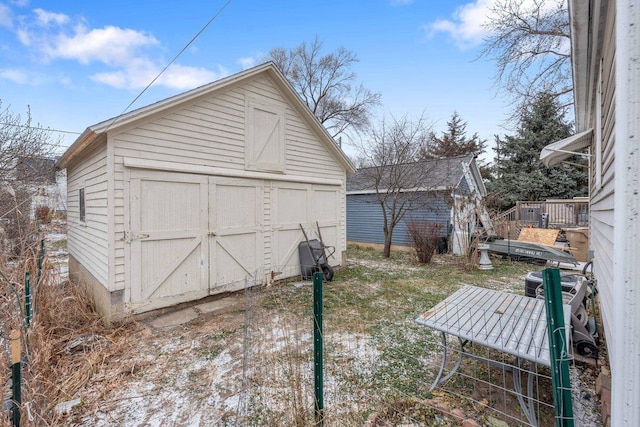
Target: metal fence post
317 349
40 265
27 298
558 348
15 347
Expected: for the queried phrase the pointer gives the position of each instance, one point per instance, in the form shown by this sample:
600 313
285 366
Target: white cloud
46 18
16 76
182 77
19 3
139 73
24 37
110 45
117 79
6 17
466 26
127 54
247 62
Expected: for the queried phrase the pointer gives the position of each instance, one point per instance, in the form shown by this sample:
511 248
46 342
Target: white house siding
210 133
87 242
625 350
602 188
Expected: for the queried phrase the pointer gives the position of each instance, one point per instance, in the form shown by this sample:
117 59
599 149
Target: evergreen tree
519 173
454 141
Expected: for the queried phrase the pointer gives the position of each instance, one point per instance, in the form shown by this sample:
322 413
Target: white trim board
135 163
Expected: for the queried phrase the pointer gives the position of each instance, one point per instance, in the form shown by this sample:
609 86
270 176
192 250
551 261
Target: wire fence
380 365
278 356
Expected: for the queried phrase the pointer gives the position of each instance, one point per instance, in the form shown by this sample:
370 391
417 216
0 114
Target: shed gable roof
434 175
96 133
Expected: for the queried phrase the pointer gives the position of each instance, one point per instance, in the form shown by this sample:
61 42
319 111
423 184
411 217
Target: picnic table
512 324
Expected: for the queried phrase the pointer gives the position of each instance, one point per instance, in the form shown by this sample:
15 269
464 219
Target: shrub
424 237
43 214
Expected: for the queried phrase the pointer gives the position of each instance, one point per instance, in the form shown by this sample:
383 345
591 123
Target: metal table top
510 323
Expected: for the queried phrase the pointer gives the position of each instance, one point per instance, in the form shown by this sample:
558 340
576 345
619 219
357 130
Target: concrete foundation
109 304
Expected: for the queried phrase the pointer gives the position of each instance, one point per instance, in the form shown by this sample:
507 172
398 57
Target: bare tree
530 43
393 170
23 146
26 161
327 85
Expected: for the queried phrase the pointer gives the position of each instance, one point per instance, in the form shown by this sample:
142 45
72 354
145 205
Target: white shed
187 197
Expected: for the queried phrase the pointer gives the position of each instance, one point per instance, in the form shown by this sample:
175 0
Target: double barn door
191 236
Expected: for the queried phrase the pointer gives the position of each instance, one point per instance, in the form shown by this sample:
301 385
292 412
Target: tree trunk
386 253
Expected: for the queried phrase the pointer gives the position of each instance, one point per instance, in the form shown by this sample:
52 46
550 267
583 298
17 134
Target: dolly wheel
587 349
327 272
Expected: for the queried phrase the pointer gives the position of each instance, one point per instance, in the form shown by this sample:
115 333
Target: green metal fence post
317 349
16 374
27 298
38 276
40 262
558 348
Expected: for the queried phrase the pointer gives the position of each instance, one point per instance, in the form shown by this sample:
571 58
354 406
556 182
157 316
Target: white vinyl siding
210 132
87 240
602 196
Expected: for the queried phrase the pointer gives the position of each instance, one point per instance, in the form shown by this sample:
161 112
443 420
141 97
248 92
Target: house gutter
83 141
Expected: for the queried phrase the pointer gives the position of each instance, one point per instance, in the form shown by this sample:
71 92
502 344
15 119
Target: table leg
527 407
439 378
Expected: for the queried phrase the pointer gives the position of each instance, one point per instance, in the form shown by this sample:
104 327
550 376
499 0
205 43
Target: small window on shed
81 204
265 140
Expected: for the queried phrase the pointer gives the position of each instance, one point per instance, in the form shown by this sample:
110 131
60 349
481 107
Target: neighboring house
192 195
34 183
52 194
449 194
605 40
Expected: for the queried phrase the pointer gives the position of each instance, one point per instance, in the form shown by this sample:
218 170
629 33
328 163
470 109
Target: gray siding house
449 195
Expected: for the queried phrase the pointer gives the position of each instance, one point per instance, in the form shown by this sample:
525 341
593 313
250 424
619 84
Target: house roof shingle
432 175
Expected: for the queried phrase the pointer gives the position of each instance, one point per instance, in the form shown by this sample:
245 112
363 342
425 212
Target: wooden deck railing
559 213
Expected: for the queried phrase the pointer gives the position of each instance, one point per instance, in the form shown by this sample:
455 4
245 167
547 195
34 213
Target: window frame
82 205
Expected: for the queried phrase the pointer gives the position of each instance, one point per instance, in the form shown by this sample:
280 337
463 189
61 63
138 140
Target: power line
142 92
41 128
170 63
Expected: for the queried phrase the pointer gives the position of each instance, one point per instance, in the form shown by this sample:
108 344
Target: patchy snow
55 237
507 284
218 371
384 266
178 388
586 410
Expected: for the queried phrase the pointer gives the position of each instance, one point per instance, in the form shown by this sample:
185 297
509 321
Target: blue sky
76 63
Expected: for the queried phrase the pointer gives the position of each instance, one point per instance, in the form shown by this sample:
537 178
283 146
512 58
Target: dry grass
53 370
378 362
